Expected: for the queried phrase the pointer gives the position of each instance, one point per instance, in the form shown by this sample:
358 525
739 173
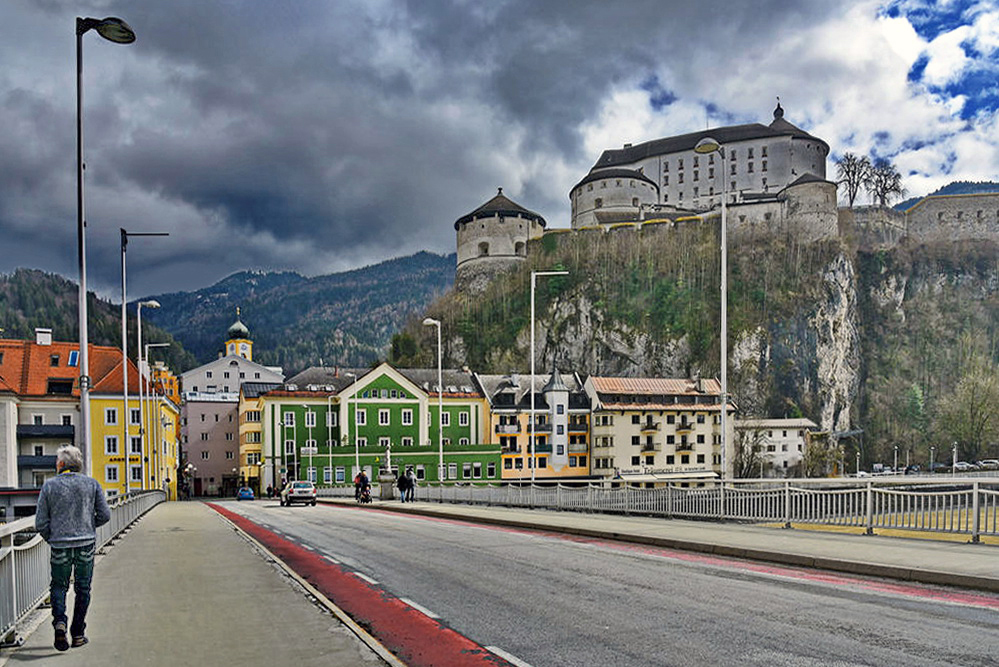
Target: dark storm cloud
319 136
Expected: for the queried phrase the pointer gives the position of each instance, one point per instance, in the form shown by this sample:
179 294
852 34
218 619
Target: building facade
780 444
561 428
652 430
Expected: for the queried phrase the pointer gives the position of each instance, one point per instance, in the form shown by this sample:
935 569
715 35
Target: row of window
39 420
135 445
732 155
384 418
311 447
469 470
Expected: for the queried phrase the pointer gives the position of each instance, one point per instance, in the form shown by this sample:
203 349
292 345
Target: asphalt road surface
543 599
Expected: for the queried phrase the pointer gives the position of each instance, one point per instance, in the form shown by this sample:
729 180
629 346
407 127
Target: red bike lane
411 635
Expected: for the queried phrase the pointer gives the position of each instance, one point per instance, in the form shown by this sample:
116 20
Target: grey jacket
70 508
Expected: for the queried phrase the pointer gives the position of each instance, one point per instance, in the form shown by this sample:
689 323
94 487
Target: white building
781 443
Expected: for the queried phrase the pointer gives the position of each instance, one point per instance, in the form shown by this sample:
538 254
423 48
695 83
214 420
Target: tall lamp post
154 448
357 451
143 372
114 30
534 276
705 146
124 361
431 322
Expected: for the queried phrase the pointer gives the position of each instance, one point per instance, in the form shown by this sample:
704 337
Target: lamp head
707 145
431 322
111 28
152 303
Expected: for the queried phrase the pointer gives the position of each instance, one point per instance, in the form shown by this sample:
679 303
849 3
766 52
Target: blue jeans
78 562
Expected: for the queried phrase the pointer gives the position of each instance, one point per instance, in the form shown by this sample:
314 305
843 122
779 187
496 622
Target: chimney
43 336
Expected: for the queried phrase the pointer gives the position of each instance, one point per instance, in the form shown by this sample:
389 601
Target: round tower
493 238
608 196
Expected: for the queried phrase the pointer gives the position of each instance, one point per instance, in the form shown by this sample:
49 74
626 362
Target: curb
856 567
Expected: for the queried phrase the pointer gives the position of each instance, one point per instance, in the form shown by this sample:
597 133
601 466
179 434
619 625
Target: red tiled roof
26 368
653 386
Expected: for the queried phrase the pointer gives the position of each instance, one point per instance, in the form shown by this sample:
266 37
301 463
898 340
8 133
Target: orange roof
653 386
27 367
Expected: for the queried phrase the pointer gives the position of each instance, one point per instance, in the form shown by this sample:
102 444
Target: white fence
24 567
965 505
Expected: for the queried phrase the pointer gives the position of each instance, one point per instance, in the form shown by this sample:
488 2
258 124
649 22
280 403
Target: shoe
61 642
79 641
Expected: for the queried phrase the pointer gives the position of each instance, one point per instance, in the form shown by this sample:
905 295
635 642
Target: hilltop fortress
775 182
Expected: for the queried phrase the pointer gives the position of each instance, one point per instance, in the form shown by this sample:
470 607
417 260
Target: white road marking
365 578
331 559
306 546
512 659
421 609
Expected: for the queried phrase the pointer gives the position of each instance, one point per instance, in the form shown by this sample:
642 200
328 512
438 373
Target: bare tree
884 183
853 172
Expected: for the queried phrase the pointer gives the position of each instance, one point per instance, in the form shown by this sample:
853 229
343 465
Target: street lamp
705 146
357 451
858 464
145 358
932 452
534 276
143 372
114 30
953 465
124 360
895 467
431 322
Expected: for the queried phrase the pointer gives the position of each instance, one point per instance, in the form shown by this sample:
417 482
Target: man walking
70 508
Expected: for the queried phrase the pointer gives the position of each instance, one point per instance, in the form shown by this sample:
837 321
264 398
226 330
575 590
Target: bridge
253 583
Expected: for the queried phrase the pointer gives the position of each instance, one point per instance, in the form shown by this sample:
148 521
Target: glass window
110 416
110 444
111 473
310 419
407 417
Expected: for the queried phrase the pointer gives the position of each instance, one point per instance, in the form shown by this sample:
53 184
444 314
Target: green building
325 424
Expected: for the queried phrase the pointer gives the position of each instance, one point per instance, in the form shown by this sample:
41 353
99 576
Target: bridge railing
940 504
24 559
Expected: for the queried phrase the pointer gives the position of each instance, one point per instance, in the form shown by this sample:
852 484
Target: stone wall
951 217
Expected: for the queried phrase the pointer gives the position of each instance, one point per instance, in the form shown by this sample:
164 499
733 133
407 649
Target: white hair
70 457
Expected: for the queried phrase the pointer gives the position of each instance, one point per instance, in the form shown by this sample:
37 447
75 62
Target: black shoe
79 641
61 643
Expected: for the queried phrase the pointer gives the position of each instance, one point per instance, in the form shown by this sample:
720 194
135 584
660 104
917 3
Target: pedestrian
270 491
411 485
403 484
71 506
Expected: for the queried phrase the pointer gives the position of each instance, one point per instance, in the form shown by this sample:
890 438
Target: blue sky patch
929 18
659 97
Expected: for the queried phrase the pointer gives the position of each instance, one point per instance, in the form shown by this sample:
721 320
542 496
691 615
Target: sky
318 136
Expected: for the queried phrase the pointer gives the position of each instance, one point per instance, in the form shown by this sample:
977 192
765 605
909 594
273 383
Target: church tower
238 341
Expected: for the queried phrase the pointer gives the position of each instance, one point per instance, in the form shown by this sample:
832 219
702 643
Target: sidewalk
957 564
183 588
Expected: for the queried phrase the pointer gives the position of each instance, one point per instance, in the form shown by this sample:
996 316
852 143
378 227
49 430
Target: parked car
299 492
989 464
245 493
964 466
912 470
939 467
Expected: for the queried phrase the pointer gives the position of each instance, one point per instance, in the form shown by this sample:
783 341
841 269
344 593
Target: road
547 599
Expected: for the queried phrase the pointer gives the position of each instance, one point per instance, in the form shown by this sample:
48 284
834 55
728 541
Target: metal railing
24 559
962 505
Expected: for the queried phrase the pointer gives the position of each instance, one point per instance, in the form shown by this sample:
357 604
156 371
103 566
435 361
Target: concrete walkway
958 564
182 587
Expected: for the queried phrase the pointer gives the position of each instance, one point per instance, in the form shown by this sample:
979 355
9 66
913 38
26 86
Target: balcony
652 447
649 427
507 428
578 447
578 427
685 447
685 425
37 462
540 427
45 431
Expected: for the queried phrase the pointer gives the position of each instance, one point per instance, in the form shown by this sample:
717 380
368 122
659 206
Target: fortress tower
491 239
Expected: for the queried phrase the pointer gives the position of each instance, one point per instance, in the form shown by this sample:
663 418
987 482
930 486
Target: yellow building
124 458
251 433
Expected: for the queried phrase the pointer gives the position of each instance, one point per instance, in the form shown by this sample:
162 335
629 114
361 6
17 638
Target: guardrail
936 504
24 559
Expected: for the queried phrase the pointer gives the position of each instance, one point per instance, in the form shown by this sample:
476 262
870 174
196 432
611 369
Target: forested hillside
31 299
344 319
